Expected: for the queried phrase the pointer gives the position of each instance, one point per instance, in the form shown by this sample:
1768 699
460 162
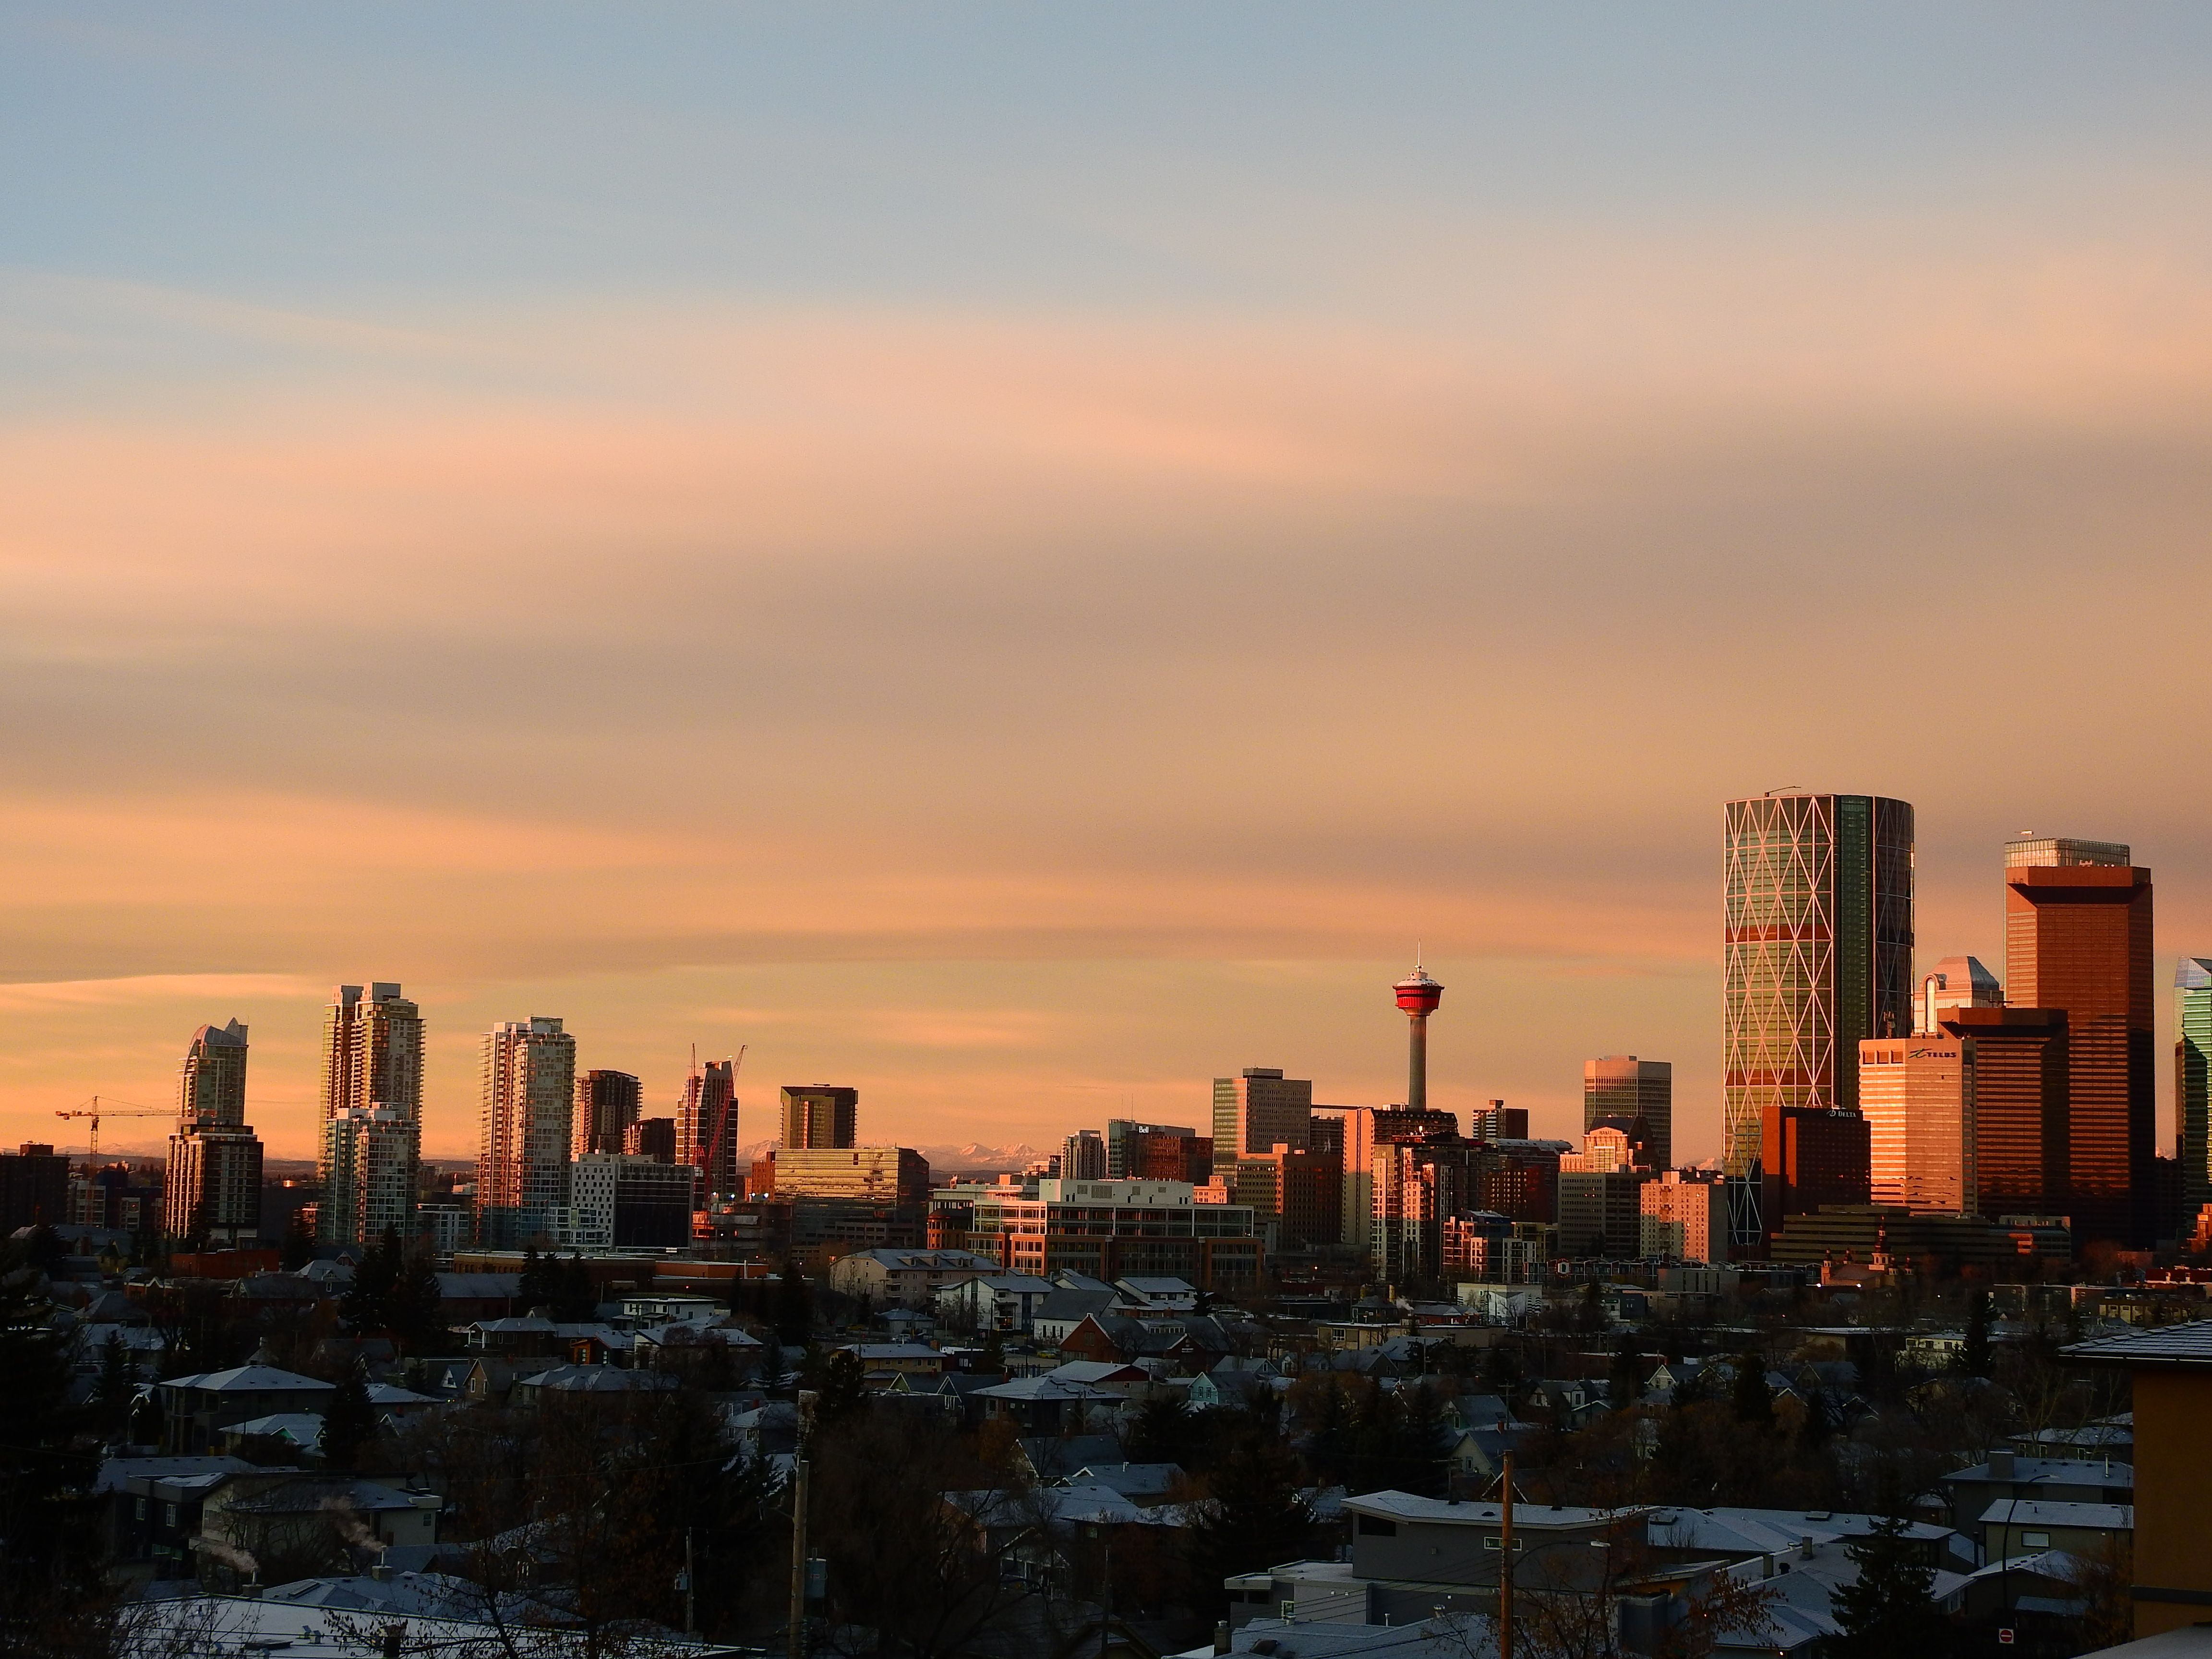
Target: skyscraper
2192 1083
2018 1061
2078 937
818 1117
1257 1111
522 1160
1121 1132
1816 954
371 1064
707 1127
1638 1092
1083 1157
1917 1094
1954 982
606 1105
212 1181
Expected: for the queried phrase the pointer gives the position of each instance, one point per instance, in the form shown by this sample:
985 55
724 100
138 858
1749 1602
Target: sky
1023 558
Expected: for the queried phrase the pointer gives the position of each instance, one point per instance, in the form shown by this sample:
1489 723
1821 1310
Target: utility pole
1505 1565
690 1578
799 1562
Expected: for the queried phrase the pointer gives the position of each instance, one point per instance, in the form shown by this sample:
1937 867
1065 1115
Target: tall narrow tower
1418 995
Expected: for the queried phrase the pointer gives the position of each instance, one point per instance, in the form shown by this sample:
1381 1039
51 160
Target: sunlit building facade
1916 1095
2078 938
1816 955
2192 1083
524 1132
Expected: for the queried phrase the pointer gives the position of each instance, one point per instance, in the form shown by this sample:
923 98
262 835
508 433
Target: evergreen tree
575 1298
1752 1399
992 1360
117 1386
350 1422
299 1243
418 1312
843 1390
1974 1357
1590 1315
367 1304
1627 1373
794 1307
1423 1444
539 1285
1255 1516
1889 1613
49 1567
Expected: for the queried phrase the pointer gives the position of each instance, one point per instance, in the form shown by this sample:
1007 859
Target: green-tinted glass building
1817 953
2192 1083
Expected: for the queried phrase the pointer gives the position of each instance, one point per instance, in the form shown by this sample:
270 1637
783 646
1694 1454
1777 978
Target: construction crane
722 1121
93 1109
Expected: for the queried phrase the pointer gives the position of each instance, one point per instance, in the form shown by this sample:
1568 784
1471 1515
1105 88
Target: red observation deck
1417 993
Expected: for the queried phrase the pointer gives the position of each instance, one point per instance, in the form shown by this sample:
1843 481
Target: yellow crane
94 1110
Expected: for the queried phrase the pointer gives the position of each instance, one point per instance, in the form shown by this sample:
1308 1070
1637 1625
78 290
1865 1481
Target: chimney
1221 1637
2001 1466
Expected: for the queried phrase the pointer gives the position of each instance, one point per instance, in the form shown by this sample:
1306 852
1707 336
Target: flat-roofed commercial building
2018 1057
1682 1218
819 1114
1112 1229
1916 1095
619 1202
859 1174
2078 937
1258 1110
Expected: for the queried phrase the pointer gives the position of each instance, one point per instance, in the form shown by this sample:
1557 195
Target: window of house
2036 1541
1374 1526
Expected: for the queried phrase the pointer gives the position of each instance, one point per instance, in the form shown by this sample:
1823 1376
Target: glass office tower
2192 1083
1816 955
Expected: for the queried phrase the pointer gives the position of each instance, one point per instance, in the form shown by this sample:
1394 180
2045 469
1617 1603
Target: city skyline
974 465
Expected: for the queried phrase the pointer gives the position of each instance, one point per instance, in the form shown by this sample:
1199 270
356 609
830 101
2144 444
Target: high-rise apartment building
607 1103
706 1128
371 1064
1637 1092
817 1116
1916 1095
2078 938
373 1155
1083 1157
211 1081
1683 1217
525 1133
2192 1083
2018 1058
211 1182
1498 1121
372 1052
1258 1110
1954 982
1816 954
651 1137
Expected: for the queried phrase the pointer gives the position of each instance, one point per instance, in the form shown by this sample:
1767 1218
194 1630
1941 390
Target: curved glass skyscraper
1817 953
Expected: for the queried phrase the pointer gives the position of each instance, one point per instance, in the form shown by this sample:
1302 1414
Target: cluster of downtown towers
560 1153
1847 1077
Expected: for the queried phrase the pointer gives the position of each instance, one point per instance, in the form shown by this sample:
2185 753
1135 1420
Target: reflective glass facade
1816 955
2192 1083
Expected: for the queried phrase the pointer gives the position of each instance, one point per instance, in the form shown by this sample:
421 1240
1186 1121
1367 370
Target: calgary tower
1418 995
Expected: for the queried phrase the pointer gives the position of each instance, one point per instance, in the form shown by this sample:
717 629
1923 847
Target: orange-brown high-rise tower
2077 936
1418 995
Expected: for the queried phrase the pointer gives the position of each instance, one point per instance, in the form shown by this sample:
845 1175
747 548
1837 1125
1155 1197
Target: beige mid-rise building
1916 1095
